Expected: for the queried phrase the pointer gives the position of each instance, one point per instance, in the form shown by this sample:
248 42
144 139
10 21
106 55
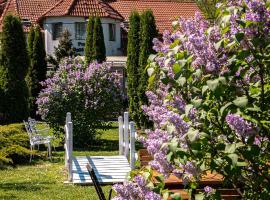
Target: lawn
43 179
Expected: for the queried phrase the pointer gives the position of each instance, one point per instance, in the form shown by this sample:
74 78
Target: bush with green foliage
38 66
148 31
92 94
14 65
99 49
133 50
14 143
88 50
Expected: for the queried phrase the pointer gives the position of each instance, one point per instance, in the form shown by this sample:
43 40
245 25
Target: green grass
43 179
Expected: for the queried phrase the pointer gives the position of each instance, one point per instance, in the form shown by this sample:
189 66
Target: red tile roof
164 11
35 10
82 8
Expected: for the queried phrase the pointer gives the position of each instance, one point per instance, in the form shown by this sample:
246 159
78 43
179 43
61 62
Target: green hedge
14 145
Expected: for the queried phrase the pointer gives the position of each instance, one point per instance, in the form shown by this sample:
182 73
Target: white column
132 145
121 130
126 134
68 119
70 145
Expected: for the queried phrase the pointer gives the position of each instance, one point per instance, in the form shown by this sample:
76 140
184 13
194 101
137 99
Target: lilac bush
210 99
91 93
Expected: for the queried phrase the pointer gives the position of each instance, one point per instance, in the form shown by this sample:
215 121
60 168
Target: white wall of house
112 47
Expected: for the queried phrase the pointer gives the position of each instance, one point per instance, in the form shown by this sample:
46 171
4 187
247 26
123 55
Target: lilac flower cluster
209 191
135 190
189 172
242 127
255 12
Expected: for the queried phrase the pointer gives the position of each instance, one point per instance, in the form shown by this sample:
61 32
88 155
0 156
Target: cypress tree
88 50
147 33
30 40
38 68
98 42
14 64
133 64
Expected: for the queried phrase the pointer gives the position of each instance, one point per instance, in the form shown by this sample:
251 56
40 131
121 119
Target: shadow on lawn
24 186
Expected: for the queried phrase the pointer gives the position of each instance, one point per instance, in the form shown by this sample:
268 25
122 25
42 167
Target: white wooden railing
126 132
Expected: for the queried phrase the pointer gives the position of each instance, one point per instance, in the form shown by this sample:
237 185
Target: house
56 15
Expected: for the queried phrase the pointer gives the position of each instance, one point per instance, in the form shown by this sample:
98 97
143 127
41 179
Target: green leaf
234 158
176 197
199 196
176 68
170 128
239 36
196 102
192 134
231 148
169 156
213 84
204 89
223 108
241 164
150 71
188 108
173 145
241 102
152 57
219 44
181 81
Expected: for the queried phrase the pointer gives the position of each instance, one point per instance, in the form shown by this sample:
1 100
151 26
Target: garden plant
91 93
210 104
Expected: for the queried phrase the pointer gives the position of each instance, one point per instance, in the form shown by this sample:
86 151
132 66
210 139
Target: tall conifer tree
98 42
88 50
14 63
147 33
38 67
30 40
133 50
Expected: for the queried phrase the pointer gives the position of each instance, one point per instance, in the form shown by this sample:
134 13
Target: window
80 30
57 29
112 32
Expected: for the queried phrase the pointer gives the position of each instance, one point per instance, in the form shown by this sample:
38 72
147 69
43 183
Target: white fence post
132 145
68 119
121 139
69 150
126 135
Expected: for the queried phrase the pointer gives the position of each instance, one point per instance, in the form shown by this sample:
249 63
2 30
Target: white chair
36 139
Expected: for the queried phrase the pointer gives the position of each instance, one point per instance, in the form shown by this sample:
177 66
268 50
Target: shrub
211 108
14 64
92 95
14 143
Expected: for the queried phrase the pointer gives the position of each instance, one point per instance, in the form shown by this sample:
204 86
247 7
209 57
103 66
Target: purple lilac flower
242 127
209 191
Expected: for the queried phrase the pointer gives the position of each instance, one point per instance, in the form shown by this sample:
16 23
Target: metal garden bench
35 138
